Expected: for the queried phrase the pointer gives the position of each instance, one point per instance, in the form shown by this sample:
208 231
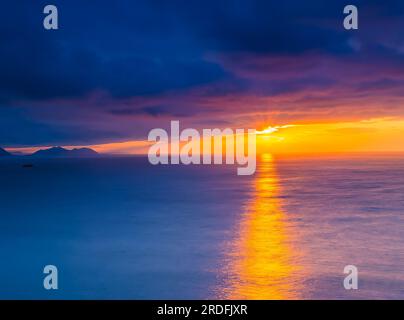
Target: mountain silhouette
59 152
4 153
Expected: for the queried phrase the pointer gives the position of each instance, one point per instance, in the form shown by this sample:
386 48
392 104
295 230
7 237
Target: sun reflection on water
261 262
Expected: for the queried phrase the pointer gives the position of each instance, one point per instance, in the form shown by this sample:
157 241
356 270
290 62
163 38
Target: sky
114 70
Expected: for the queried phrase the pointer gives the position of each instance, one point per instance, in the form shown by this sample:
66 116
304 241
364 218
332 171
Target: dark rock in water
59 152
4 153
28 165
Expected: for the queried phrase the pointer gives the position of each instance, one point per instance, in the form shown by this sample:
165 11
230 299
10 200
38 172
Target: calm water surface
121 228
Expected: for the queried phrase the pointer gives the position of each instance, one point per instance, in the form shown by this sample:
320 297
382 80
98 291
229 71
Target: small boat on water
27 165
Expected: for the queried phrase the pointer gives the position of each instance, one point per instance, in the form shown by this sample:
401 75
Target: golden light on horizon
368 135
373 135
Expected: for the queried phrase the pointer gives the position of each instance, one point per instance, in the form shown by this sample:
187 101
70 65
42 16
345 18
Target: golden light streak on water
261 262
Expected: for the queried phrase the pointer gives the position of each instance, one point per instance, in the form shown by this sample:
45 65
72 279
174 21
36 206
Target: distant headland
57 152
4 153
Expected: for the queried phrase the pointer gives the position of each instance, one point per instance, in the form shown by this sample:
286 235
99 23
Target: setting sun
374 135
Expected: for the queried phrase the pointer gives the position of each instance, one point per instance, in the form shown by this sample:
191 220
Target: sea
121 228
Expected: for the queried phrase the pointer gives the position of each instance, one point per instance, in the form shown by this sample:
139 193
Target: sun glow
373 135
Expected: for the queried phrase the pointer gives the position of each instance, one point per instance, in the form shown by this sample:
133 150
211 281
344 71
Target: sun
270 129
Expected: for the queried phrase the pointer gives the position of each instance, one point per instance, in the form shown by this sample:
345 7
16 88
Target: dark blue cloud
96 48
